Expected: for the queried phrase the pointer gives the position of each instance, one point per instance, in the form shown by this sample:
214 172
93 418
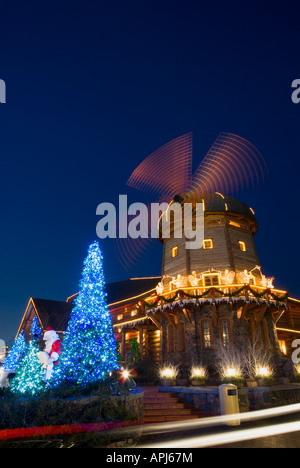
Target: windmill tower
228 245
217 292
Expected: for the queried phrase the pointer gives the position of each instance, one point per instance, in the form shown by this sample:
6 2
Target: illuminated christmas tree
15 353
89 346
29 377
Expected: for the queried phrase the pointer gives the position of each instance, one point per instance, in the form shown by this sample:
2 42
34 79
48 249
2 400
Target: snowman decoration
51 353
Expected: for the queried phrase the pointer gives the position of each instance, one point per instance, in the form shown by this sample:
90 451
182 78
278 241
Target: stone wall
192 316
250 399
195 351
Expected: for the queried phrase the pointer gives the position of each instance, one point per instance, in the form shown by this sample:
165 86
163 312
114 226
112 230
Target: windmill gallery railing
211 293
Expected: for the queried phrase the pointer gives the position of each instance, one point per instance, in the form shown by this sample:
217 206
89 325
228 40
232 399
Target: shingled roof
121 291
55 314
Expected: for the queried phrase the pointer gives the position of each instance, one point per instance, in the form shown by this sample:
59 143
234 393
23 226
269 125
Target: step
160 395
156 405
157 419
160 401
167 412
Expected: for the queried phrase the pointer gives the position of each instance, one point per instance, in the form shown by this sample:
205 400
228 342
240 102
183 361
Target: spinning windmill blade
231 163
167 171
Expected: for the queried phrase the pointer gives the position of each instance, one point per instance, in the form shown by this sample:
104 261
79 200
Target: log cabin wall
242 259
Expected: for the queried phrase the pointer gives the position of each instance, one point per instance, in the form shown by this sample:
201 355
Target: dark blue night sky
94 87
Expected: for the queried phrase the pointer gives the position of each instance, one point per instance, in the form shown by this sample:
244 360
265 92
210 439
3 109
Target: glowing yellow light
231 372
282 346
174 251
207 244
125 374
132 321
263 371
168 372
232 223
198 372
242 246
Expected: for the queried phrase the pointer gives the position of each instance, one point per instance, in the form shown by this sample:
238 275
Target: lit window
133 313
225 332
211 280
207 244
174 251
206 334
242 246
119 317
232 223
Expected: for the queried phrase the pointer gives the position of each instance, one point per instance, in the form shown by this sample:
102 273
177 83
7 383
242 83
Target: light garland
227 277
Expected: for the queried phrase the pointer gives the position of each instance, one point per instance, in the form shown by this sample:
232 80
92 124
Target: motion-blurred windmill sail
232 163
167 171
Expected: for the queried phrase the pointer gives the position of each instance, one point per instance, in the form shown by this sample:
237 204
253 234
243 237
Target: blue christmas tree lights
15 353
29 378
89 346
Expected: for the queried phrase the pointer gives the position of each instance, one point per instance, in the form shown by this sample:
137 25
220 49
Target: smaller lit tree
15 353
29 376
134 349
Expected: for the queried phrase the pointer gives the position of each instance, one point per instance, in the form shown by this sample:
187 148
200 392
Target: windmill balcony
214 293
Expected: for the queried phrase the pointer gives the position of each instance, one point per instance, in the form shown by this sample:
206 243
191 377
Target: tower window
207 244
174 251
211 280
242 246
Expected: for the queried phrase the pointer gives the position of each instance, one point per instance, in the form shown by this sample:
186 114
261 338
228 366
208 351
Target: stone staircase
163 407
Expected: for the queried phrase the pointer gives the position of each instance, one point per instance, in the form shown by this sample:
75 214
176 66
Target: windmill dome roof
218 203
